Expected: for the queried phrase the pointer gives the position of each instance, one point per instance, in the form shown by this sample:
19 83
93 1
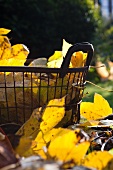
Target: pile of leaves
42 142
43 139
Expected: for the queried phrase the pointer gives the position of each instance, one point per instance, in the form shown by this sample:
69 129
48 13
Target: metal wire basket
24 88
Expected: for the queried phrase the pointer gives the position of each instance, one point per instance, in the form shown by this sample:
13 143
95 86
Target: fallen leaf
89 123
65 147
42 140
93 111
99 160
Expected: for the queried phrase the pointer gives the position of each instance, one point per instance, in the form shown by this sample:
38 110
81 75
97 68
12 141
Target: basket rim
40 69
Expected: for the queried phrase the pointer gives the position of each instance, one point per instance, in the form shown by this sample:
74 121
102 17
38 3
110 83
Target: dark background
42 24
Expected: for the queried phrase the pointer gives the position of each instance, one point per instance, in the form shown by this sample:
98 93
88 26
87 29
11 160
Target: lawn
92 89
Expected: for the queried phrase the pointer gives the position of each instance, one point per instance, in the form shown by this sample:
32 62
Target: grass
90 89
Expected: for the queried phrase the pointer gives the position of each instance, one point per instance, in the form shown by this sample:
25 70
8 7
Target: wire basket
22 89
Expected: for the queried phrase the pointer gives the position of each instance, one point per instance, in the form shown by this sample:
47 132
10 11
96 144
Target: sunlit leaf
77 59
99 109
4 31
19 51
53 114
99 160
64 147
4 44
55 56
42 140
65 47
89 123
111 151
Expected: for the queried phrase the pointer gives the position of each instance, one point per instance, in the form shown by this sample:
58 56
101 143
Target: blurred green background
105 88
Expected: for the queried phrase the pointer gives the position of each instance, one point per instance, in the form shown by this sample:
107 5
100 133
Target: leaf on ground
93 111
53 114
89 123
101 160
61 143
111 151
65 147
42 140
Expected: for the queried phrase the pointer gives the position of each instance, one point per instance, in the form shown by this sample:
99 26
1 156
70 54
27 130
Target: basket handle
85 47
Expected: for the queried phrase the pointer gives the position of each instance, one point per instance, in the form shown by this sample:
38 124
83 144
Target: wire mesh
22 89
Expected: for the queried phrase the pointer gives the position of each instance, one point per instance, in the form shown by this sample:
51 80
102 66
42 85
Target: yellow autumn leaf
65 47
12 62
42 140
53 114
99 160
89 123
13 56
77 59
55 56
93 111
4 44
4 31
6 54
55 63
66 148
40 119
19 51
